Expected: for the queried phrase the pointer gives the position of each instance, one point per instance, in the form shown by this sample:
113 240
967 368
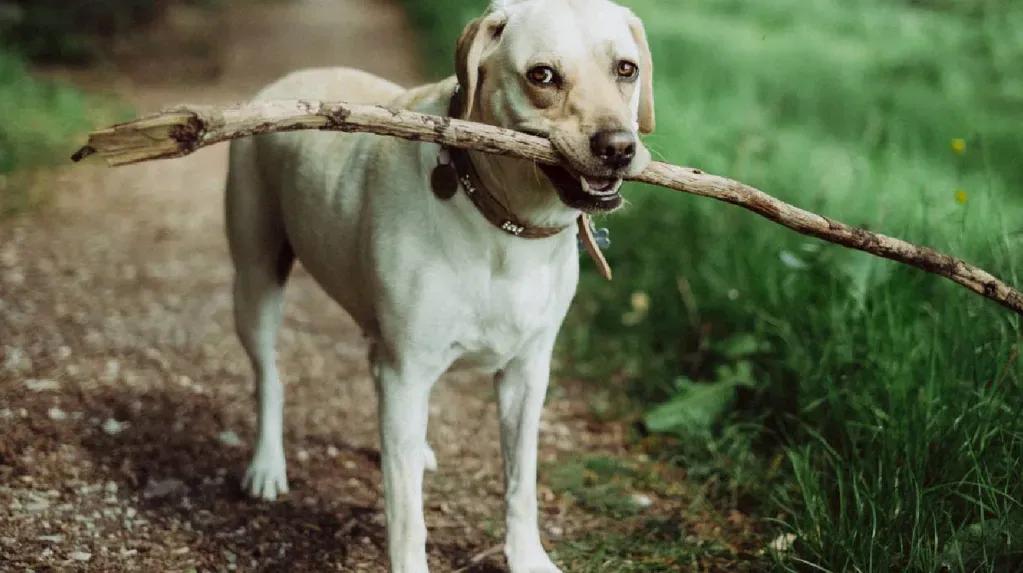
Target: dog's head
576 71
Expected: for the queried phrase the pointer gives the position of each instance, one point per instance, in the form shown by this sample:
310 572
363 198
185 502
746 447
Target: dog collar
488 205
455 169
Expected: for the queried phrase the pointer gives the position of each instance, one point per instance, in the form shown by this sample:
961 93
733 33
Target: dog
444 257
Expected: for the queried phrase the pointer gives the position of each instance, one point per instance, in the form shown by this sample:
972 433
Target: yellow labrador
444 256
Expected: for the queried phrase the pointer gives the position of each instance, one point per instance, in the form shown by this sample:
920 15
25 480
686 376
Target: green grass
653 535
653 545
602 485
41 123
891 396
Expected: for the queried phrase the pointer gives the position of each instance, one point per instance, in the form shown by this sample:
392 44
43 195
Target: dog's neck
524 190
517 184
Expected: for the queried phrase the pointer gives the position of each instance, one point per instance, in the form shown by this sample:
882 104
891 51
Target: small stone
230 439
42 385
642 501
81 556
332 452
113 369
112 427
37 505
15 360
50 538
303 456
57 414
157 489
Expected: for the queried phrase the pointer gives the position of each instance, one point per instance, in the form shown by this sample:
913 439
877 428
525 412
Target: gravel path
126 403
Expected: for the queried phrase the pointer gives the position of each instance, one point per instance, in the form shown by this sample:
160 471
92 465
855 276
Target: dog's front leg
521 389
404 407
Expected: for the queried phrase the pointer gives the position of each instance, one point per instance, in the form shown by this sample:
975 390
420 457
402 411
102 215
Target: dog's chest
504 312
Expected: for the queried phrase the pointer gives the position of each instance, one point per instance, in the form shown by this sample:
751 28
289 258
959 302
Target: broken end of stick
162 136
83 153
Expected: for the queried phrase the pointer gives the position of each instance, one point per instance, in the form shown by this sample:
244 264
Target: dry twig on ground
182 130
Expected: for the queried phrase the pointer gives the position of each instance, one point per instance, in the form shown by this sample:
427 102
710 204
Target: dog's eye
543 76
627 70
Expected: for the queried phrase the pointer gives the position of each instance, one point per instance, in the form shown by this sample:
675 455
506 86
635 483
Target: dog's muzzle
586 193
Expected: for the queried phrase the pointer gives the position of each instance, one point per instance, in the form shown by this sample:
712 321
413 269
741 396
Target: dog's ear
480 35
647 121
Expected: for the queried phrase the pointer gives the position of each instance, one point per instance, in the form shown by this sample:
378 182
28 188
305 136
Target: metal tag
444 181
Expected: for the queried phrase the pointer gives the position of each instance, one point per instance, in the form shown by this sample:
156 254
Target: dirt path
126 403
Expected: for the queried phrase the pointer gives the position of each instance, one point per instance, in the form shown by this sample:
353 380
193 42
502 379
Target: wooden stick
180 131
480 558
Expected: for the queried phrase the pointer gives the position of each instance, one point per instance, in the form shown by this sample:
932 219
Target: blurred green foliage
39 119
75 32
40 122
39 115
893 394
57 30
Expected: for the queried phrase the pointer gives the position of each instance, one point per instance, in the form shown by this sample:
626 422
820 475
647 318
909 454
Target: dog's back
249 156
303 166
332 84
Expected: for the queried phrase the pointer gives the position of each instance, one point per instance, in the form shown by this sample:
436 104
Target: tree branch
180 131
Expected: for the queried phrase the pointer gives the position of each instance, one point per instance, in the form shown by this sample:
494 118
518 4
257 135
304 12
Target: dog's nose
615 148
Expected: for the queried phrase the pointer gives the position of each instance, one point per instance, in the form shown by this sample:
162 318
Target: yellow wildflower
959 146
640 301
961 196
640 308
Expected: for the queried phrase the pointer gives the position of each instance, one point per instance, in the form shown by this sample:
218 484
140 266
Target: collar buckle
512 228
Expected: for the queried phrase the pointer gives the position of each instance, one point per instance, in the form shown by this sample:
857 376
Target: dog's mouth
583 192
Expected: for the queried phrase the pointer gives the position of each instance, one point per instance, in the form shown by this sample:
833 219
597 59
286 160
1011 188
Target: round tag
444 181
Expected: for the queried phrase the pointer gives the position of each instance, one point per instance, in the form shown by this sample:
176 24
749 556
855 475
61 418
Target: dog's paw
430 459
541 566
530 561
267 477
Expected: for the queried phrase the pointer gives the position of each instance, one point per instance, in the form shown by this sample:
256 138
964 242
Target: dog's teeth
600 186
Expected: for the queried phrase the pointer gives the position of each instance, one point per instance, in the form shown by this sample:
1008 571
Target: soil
126 404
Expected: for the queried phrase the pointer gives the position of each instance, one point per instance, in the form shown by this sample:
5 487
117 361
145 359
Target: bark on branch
180 131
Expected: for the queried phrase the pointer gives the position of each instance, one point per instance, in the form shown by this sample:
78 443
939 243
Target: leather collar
492 209
500 215
489 206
